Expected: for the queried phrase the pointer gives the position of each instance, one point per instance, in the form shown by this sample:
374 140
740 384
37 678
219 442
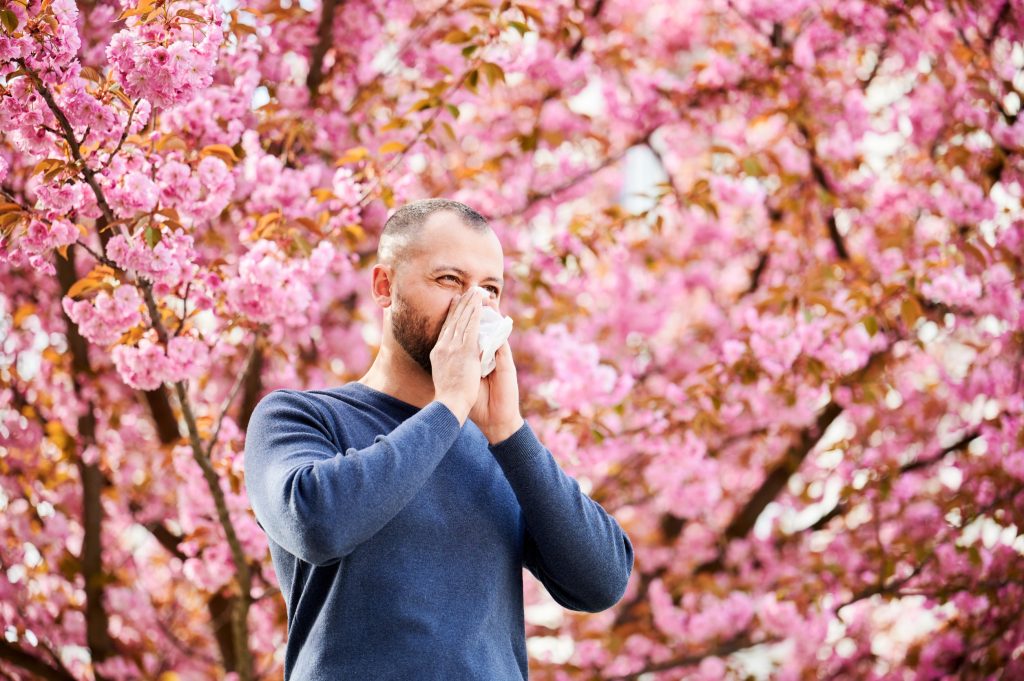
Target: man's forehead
454 246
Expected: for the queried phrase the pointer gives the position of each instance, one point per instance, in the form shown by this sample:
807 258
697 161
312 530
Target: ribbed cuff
441 416
518 448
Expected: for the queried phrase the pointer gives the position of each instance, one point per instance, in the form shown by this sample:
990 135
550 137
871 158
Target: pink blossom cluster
169 264
147 365
198 196
104 318
52 55
684 478
103 122
133 192
165 64
272 187
36 243
59 199
224 111
578 381
952 286
272 289
23 115
694 621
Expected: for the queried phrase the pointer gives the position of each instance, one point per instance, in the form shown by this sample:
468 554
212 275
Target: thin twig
253 353
124 136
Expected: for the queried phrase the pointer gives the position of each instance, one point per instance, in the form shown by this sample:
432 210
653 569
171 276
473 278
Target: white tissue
494 331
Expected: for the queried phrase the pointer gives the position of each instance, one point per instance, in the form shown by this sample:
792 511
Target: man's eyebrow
463 273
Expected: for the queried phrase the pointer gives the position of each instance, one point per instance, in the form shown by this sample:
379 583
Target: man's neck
405 381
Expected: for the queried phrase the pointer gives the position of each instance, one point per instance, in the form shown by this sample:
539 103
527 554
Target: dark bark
32 664
316 59
98 639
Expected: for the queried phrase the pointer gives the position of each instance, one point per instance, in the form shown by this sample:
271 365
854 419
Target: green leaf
911 311
493 72
519 26
391 147
423 104
752 167
456 36
9 20
152 236
871 324
533 13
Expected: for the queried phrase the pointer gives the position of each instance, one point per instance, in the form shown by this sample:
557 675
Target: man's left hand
496 412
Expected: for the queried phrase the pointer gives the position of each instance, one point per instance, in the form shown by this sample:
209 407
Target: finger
449 320
463 301
466 320
464 304
471 331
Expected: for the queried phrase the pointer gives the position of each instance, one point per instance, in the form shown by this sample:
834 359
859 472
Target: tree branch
888 588
577 47
324 32
250 361
779 476
735 644
843 506
101 646
243 576
124 136
32 664
821 177
73 143
534 197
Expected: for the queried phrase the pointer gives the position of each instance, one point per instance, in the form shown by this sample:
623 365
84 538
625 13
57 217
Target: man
401 508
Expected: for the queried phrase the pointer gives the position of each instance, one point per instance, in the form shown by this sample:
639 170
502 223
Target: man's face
453 258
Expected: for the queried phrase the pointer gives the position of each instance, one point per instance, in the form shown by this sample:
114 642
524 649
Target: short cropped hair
400 239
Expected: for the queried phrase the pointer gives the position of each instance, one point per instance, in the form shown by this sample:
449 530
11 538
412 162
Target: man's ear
382 279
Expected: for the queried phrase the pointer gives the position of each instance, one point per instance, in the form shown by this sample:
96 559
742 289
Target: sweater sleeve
572 545
320 504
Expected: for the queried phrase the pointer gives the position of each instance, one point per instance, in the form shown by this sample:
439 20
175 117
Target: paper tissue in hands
494 331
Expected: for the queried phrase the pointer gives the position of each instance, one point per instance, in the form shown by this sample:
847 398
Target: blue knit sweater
399 537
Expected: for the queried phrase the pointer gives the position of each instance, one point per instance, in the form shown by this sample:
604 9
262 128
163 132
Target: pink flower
345 187
168 264
106 317
41 237
167 66
141 367
177 184
135 193
270 288
952 286
187 357
146 366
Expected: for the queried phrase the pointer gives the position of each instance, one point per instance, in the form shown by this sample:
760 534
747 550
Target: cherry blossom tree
764 260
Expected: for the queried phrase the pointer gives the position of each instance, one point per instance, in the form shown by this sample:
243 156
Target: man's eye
494 289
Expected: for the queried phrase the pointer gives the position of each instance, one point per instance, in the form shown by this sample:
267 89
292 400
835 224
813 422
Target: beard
411 331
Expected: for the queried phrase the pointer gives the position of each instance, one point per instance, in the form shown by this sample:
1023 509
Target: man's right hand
455 360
